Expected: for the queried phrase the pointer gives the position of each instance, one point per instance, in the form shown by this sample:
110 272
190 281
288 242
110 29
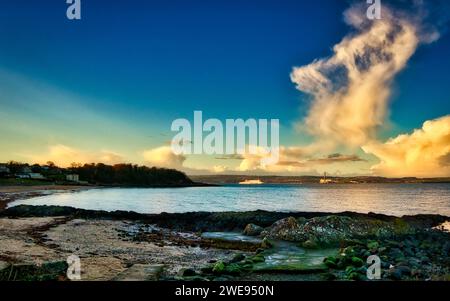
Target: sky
354 96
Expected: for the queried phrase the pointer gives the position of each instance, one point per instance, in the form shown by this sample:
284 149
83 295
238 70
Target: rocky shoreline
35 242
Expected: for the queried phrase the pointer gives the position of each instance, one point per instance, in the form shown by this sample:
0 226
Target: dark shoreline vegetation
257 245
98 174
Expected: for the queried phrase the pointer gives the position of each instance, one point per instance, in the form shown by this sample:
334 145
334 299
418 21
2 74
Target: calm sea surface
392 199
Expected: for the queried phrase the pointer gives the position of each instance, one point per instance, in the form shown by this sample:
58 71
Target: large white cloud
350 90
424 153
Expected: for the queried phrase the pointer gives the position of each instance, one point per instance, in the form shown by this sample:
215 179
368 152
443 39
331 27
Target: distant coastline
237 179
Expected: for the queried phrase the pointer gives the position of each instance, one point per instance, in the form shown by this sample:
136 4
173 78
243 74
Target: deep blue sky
147 62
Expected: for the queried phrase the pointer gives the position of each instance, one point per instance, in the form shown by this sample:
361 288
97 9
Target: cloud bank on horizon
424 153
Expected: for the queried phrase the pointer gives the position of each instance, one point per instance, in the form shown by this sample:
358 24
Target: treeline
130 175
99 174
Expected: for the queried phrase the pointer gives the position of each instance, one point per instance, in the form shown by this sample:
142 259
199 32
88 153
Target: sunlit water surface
392 199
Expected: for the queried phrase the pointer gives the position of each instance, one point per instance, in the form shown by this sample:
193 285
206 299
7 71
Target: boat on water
251 182
324 180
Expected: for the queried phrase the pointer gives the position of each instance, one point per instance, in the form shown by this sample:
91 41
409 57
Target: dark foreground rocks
210 221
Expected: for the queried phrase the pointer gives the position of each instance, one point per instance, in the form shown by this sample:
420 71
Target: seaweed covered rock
333 230
420 256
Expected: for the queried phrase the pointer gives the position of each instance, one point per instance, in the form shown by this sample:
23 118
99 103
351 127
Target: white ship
251 182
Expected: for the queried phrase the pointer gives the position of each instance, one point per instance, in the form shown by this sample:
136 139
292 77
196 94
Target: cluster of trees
130 175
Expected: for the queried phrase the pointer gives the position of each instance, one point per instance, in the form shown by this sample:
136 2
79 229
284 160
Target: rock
425 259
348 252
237 258
398 273
385 265
141 272
331 262
310 244
394 274
356 276
219 267
418 273
408 252
207 269
233 269
414 262
373 246
258 258
252 230
266 244
186 272
396 253
46 271
405 270
285 229
4 265
4 270
358 262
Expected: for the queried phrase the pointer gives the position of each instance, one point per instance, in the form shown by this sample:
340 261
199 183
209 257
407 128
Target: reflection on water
393 199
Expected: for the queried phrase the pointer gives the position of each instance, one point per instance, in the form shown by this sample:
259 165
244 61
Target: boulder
285 229
252 230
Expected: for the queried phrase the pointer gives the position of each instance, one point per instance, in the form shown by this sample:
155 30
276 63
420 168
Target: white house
73 178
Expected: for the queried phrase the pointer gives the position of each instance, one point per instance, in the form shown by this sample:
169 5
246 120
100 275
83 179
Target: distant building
36 176
4 170
73 178
30 175
25 170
